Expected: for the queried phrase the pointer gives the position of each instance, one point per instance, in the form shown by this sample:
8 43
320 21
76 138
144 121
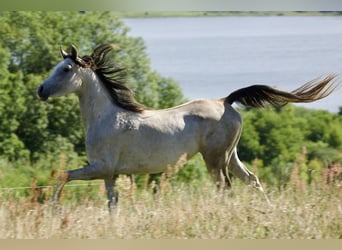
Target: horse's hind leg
227 181
240 171
216 166
224 171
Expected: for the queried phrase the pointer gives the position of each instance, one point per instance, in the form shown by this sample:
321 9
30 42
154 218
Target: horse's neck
94 101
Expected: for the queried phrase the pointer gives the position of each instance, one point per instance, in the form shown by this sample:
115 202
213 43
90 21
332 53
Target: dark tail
261 95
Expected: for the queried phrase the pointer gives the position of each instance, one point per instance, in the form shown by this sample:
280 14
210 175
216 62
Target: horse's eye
67 68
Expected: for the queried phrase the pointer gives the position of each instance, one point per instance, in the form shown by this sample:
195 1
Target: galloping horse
125 137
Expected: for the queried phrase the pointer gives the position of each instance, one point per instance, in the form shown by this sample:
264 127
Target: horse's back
214 112
222 125
168 135
213 123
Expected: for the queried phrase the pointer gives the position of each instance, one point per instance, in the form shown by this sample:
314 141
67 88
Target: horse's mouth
42 98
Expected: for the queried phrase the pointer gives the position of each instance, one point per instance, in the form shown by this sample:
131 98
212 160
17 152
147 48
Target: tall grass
195 210
179 212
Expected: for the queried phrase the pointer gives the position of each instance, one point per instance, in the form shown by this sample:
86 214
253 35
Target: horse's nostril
40 90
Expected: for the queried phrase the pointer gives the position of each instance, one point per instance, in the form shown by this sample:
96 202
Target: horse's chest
99 140
104 140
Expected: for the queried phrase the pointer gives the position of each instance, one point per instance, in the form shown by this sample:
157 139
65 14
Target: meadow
296 152
177 212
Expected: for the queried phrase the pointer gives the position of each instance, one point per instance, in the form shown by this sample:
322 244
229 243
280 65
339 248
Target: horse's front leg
112 194
62 180
90 172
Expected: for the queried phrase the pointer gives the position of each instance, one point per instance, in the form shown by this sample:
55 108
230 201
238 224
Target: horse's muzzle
41 93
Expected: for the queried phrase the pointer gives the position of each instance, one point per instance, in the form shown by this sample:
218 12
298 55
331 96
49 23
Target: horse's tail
261 95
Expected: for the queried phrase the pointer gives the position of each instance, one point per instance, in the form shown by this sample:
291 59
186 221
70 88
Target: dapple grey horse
125 137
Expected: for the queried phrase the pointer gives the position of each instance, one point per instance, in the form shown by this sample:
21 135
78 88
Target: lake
211 56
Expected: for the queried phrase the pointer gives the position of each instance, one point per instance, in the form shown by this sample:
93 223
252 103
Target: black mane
112 75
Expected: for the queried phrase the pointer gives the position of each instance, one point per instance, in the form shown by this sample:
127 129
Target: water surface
211 56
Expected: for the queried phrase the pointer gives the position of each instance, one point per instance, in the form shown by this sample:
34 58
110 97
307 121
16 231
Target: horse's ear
74 53
63 53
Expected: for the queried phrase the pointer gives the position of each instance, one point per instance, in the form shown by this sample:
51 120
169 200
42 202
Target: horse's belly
156 159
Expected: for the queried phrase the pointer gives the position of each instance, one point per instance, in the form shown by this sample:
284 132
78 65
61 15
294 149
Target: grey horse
125 137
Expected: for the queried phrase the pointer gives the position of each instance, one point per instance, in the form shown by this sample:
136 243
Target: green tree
277 136
269 133
11 108
29 49
249 147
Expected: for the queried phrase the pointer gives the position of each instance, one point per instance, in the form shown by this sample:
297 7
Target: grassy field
180 212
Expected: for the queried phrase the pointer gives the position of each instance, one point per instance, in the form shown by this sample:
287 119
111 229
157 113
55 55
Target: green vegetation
296 152
275 141
29 49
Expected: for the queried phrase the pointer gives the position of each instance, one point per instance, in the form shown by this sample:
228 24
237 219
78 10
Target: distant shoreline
149 14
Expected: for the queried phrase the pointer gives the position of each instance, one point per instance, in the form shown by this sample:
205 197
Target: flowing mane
112 75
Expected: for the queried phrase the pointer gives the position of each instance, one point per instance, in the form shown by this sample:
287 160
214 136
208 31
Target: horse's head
65 78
